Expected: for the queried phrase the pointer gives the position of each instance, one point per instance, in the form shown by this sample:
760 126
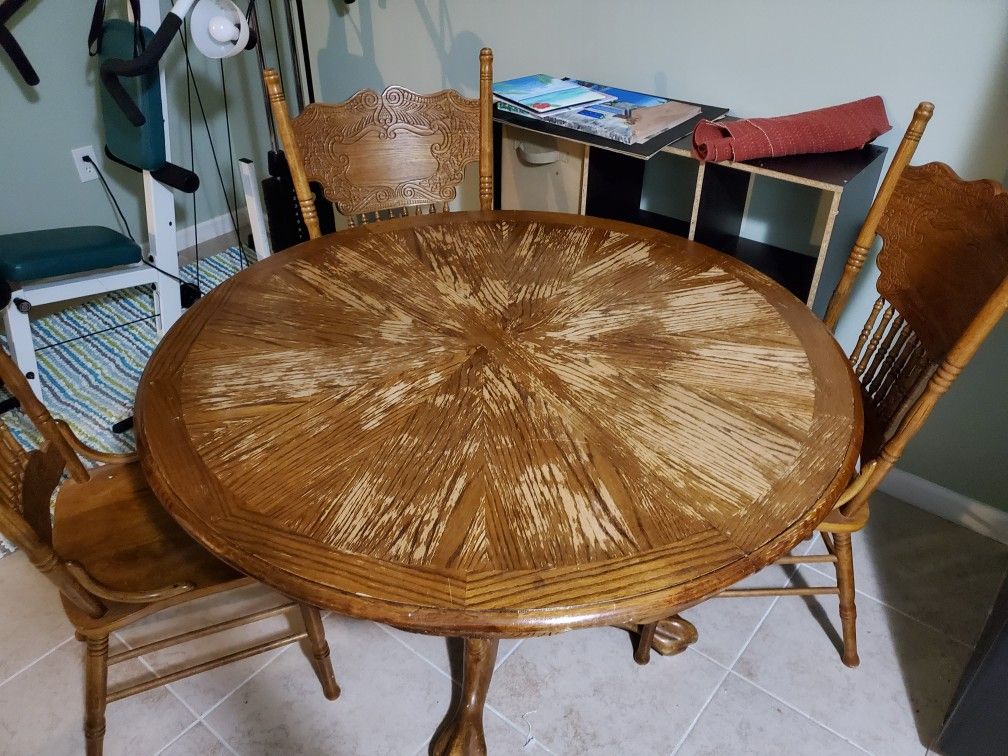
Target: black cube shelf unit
610 185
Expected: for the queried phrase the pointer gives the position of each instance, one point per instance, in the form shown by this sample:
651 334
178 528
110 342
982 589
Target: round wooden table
497 425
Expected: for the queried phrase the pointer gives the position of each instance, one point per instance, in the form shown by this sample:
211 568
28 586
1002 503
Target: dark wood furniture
115 555
378 156
942 285
829 195
499 424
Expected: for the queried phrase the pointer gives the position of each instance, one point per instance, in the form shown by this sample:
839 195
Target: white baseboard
212 228
947 504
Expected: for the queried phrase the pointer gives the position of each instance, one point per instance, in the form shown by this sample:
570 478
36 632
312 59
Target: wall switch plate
86 171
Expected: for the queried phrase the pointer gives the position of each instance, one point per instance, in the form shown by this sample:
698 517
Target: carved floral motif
945 251
345 142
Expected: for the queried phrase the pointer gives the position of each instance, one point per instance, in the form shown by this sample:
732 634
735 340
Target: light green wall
760 57
964 446
38 183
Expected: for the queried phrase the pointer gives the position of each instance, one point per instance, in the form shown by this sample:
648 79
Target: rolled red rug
839 127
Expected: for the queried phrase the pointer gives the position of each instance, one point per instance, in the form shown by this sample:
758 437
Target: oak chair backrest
28 478
381 155
942 286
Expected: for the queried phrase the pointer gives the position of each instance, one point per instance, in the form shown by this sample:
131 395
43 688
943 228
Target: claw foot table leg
463 734
667 637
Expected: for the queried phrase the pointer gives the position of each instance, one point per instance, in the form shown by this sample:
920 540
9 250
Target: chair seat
54 252
114 527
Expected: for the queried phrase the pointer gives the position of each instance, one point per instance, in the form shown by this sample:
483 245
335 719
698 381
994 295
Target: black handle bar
143 63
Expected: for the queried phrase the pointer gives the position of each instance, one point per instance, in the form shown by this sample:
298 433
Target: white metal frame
253 205
163 253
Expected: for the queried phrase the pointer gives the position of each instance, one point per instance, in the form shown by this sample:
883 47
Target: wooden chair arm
838 521
124 597
857 485
86 451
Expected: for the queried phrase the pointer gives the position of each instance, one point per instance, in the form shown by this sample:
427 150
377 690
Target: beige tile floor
763 678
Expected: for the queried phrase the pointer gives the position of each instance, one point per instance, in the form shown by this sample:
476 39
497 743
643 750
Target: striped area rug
91 355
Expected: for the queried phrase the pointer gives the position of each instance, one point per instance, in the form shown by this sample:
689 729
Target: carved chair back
942 286
381 155
28 478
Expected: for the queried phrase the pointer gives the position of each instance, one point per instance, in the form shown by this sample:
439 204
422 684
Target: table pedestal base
667 637
462 735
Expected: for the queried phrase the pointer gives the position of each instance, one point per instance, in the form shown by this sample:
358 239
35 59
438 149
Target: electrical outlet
86 171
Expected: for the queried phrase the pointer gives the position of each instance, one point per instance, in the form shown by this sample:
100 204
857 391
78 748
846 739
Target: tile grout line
150 668
733 671
419 749
762 619
389 631
787 583
193 724
524 731
400 641
724 677
699 714
170 743
190 709
220 737
199 717
739 675
795 709
899 611
711 659
36 661
507 656
240 685
730 667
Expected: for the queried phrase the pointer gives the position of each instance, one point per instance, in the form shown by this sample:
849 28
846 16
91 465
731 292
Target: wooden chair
943 285
115 555
380 155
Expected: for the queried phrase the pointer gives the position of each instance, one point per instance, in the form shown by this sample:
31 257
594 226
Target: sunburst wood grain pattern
504 423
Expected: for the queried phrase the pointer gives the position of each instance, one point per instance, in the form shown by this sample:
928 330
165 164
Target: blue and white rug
91 355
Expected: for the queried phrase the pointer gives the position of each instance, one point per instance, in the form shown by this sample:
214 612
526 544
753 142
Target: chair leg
19 342
642 654
320 651
845 584
96 683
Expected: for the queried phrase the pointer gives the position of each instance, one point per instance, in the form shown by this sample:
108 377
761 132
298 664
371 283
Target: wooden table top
503 423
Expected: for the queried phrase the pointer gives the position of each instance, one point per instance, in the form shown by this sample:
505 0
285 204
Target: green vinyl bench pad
54 252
